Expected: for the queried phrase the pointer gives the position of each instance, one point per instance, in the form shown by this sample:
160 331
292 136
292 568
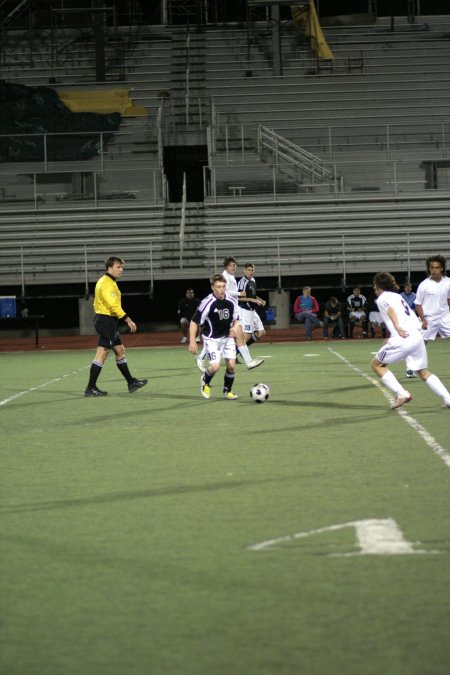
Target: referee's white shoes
401 400
201 364
254 363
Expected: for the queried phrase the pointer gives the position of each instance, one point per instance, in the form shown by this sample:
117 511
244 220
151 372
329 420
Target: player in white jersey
405 343
237 332
433 300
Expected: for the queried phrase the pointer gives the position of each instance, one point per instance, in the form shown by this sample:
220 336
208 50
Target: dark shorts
107 328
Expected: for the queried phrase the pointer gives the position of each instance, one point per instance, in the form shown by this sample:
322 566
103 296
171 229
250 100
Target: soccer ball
259 393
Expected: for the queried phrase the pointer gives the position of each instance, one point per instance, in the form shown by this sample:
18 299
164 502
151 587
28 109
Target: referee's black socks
123 367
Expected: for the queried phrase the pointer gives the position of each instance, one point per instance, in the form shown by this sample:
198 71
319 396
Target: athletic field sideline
159 533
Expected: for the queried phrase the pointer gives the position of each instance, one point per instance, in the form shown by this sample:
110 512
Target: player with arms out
108 314
404 344
218 315
433 300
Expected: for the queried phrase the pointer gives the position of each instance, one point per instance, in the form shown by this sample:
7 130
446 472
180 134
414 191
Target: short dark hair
385 281
229 260
439 259
109 262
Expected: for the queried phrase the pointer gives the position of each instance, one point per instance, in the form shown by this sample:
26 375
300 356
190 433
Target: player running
248 301
218 315
232 292
405 343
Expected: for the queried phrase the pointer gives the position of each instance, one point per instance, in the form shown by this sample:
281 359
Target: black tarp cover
38 110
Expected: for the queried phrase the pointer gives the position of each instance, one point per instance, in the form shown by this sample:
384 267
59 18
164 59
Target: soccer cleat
95 391
446 404
401 400
410 373
201 364
205 388
229 395
254 363
136 384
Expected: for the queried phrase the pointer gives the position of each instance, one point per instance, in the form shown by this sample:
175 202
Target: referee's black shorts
107 328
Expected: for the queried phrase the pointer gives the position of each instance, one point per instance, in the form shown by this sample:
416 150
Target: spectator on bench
333 318
306 309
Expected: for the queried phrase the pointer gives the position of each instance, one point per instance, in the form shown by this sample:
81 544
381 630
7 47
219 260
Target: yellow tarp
102 101
306 17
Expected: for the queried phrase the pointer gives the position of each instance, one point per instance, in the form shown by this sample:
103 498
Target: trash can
8 308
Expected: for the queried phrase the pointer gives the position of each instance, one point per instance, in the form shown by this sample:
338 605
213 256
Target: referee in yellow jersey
108 314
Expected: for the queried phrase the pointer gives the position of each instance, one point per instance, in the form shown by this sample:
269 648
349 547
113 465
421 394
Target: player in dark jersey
218 315
248 301
232 292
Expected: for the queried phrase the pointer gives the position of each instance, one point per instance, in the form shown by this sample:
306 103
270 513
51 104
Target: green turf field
162 534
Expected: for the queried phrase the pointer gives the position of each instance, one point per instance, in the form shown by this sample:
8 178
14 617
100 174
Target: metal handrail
290 153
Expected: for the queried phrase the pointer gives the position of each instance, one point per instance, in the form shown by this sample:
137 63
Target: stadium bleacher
377 120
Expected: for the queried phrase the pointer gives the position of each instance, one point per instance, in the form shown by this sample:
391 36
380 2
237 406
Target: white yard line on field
41 386
413 423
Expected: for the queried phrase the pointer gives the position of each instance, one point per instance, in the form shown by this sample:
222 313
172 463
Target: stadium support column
281 302
86 315
276 41
99 37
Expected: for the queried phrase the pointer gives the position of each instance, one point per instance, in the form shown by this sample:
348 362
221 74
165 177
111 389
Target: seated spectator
409 297
306 309
186 309
333 317
357 308
375 318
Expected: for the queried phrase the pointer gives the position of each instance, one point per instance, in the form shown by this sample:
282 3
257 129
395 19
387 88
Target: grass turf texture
126 520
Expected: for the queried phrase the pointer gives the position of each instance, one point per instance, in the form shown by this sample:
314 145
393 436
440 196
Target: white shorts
411 349
375 317
357 315
251 321
439 325
220 348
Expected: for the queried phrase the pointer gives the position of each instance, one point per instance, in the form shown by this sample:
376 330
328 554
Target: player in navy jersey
405 343
248 301
218 315
232 292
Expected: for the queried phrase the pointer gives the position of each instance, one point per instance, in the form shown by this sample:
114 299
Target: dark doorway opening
188 159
